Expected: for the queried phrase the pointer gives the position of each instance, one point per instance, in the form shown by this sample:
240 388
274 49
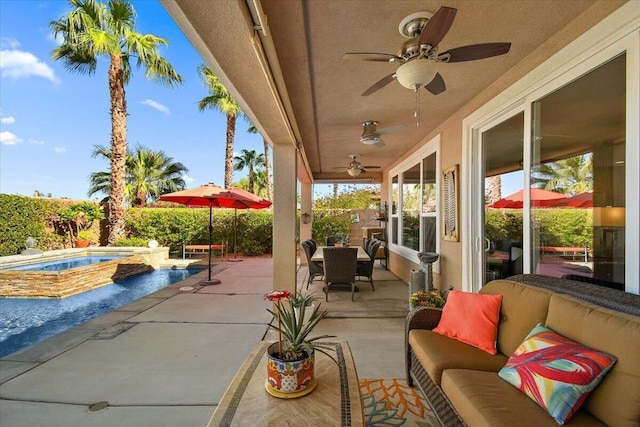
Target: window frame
429 148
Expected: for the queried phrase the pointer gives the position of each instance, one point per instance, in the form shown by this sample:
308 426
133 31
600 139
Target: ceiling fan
419 55
371 136
355 168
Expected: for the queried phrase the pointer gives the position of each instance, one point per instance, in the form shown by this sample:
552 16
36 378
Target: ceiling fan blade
379 84
371 167
379 144
436 86
370 56
474 51
437 27
391 129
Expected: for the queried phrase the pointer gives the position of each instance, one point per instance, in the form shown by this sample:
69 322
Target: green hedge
22 217
553 227
175 227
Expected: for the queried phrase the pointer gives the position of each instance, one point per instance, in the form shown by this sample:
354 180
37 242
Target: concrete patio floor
167 359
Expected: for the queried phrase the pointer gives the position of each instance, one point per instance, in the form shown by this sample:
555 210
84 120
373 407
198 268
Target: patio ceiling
315 95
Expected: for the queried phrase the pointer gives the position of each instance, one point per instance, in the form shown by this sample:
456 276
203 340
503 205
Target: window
415 203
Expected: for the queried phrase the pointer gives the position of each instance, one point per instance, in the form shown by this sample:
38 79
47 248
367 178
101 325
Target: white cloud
59 150
153 104
187 179
7 120
9 43
7 138
17 64
36 141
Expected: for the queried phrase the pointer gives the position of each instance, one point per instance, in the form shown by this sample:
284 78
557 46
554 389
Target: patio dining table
318 255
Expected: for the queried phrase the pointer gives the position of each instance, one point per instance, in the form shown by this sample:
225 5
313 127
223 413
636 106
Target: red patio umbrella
539 198
212 196
581 200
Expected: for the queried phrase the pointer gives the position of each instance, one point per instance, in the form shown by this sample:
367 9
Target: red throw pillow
472 319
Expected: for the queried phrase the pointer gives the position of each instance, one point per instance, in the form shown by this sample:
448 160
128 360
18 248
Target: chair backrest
373 249
308 251
340 264
313 245
332 240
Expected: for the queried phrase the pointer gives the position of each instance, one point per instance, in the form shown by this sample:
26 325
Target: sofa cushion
472 319
616 401
522 308
437 353
555 371
483 399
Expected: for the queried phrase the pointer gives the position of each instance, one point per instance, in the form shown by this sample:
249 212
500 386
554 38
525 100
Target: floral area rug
390 402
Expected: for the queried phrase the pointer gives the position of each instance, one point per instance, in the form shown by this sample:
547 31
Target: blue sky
51 118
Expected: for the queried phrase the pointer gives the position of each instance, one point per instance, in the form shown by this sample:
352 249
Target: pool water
67 263
26 321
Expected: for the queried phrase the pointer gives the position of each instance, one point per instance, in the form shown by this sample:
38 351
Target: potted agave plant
290 360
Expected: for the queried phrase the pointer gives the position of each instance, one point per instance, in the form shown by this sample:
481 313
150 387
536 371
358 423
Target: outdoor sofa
462 381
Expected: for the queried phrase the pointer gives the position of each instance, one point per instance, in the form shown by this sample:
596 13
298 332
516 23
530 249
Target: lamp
355 171
416 74
305 218
608 216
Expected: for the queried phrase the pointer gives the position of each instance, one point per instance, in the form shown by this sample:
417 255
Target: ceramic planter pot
83 243
289 379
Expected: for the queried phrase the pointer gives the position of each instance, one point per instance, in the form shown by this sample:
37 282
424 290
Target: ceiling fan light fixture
416 74
370 139
354 171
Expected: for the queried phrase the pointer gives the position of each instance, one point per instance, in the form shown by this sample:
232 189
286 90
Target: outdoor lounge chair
315 268
340 266
365 269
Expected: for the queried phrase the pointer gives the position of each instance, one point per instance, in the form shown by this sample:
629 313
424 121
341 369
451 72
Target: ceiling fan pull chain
416 113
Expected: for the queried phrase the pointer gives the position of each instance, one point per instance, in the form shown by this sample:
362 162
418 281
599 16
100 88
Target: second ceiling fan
355 168
419 55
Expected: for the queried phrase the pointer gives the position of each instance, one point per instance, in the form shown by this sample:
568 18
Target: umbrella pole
209 281
235 229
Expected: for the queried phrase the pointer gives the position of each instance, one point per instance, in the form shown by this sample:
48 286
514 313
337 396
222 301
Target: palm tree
92 30
149 174
267 164
493 191
249 160
572 175
220 99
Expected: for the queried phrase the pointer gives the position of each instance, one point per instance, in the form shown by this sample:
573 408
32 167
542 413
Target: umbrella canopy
212 195
215 196
539 198
581 200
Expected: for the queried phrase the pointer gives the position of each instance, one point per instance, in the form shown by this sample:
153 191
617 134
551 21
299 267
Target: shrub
131 241
330 223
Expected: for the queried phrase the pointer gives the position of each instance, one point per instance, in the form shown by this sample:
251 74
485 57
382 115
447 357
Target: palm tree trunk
118 149
267 166
494 189
228 160
251 180
335 191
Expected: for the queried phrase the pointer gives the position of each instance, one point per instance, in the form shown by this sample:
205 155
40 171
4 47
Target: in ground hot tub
61 273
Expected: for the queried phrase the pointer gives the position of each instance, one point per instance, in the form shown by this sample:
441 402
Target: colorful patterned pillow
556 372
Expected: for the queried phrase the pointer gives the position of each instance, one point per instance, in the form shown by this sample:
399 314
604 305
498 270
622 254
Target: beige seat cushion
437 353
616 400
484 399
523 307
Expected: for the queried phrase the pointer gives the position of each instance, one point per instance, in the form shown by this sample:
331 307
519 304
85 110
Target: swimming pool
65 264
26 321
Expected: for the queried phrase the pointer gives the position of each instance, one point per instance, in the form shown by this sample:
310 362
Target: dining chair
340 266
365 268
315 268
332 240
